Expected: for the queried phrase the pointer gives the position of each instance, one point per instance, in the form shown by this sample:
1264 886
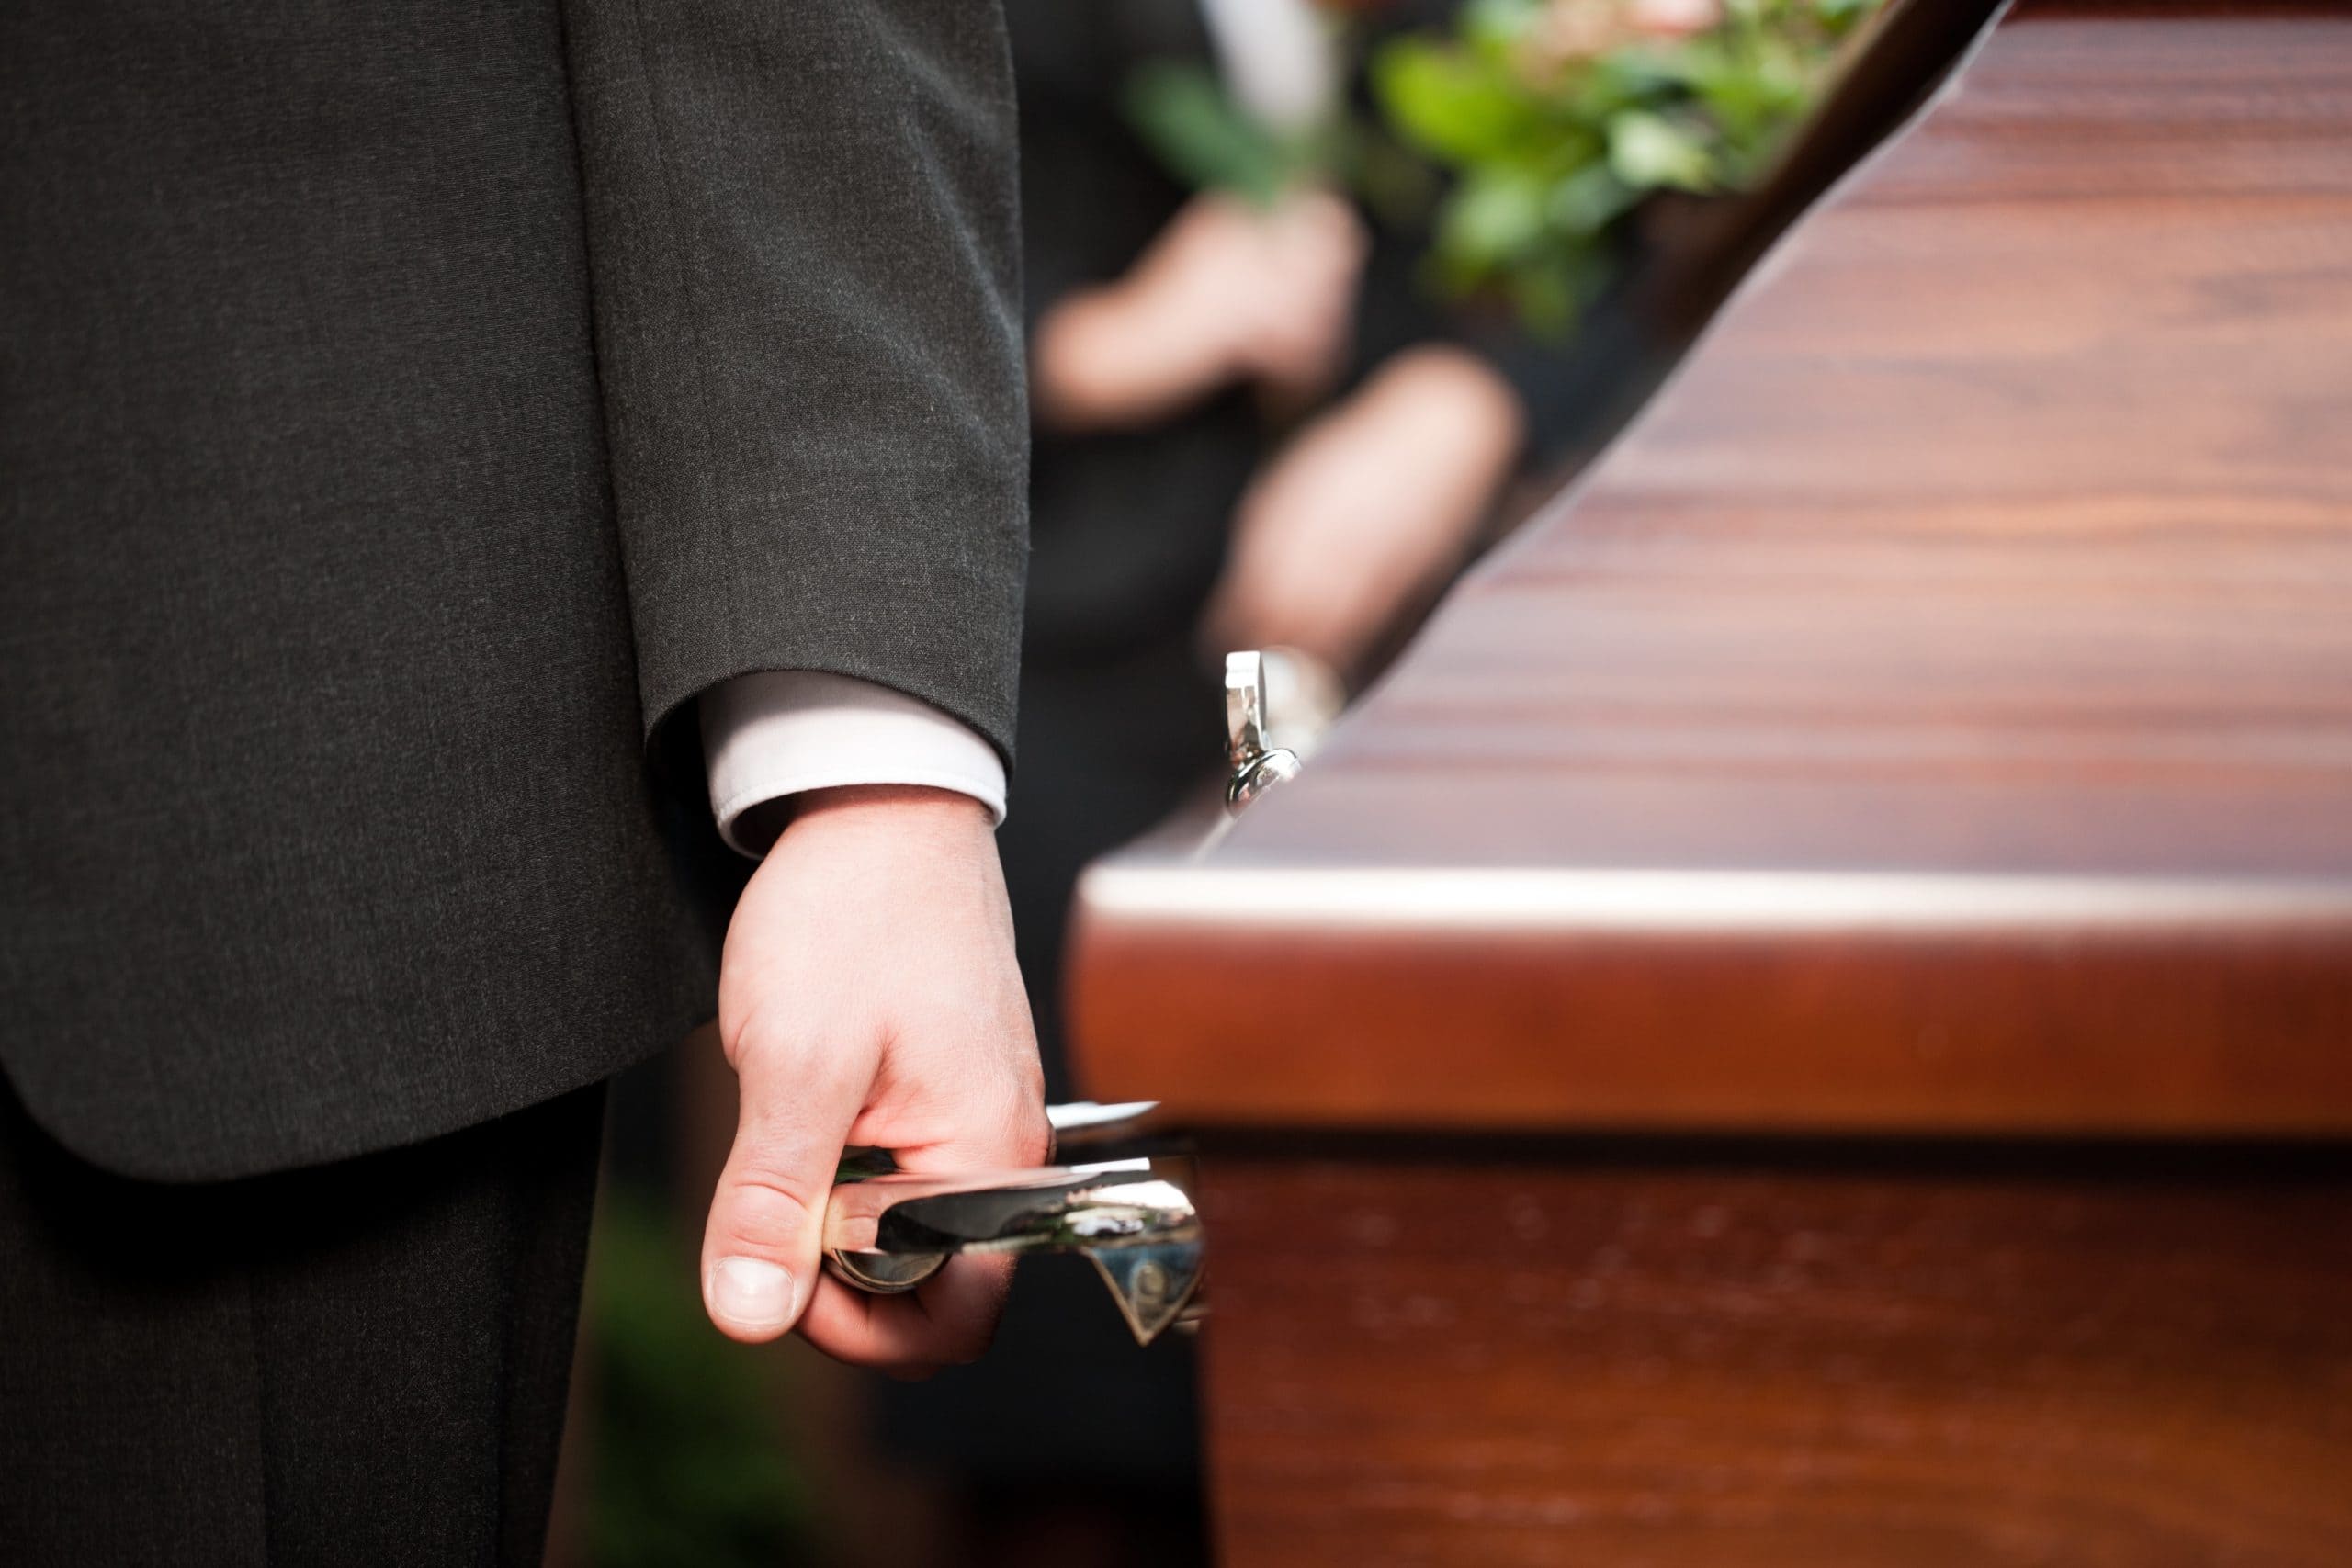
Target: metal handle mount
1258 765
1133 1219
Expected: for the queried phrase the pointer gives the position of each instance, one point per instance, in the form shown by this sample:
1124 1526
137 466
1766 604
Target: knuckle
1013 1127
1033 1137
767 1209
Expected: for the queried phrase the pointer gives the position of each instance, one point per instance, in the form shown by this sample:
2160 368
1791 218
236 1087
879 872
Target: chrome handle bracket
1133 1219
1257 765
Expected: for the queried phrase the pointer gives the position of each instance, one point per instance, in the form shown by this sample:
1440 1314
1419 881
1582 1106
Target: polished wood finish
1936 715
1930 730
1627 1357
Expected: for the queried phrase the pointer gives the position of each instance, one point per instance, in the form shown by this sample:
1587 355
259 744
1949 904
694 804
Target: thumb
761 1250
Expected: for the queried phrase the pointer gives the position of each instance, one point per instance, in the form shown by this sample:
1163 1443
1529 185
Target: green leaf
1648 151
1495 214
1497 24
1591 200
1204 138
1450 103
1548 153
1630 78
1752 95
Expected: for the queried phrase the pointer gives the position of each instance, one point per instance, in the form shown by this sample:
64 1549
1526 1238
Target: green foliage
1522 136
689 1464
1455 105
1209 142
1650 152
1555 118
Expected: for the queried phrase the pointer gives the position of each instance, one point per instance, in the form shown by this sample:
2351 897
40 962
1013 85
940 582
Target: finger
1305 350
1325 231
760 1250
994 1120
951 1317
949 1321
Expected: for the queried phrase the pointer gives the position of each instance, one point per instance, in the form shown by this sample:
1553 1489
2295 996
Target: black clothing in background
364 1364
405 409
1122 718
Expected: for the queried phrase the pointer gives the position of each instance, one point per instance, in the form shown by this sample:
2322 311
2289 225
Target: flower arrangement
1524 133
1557 118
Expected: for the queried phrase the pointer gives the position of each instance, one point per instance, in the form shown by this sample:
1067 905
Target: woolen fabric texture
365 1364
406 409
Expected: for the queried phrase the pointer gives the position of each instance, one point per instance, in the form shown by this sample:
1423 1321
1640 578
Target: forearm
1226 292
1368 508
1111 358
803 245
1458 421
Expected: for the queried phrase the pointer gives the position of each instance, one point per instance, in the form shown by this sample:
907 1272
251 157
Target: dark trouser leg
362 1363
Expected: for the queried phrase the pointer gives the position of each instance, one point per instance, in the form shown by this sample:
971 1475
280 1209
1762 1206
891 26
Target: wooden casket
1809 1020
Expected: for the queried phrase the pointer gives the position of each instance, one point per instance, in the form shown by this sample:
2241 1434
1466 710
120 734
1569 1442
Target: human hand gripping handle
869 996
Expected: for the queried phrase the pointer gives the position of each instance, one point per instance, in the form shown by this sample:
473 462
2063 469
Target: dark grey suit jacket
406 409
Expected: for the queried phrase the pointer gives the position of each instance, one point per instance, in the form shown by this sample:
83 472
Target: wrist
1122 355
902 808
1189 330
885 804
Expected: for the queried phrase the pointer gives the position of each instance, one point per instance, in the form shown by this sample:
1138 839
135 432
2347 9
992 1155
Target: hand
868 994
1368 510
1274 290
1226 292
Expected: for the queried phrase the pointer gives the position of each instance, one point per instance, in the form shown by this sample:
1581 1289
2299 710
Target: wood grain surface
1935 714
1605 1358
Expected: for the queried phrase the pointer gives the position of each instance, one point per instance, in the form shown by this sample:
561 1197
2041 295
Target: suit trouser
363 1363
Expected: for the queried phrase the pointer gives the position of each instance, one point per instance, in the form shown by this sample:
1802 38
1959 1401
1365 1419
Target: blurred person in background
1252 429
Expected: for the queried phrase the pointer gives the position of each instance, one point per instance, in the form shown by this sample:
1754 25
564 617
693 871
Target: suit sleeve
802 233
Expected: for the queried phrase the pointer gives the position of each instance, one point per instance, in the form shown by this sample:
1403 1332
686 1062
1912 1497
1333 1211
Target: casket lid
1936 714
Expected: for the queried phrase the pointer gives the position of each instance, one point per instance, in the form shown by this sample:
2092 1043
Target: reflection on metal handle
1257 765
1133 1219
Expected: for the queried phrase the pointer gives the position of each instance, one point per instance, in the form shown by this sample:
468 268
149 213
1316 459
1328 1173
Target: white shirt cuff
776 733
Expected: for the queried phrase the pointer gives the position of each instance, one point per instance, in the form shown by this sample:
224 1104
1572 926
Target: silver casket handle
1257 764
888 1230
